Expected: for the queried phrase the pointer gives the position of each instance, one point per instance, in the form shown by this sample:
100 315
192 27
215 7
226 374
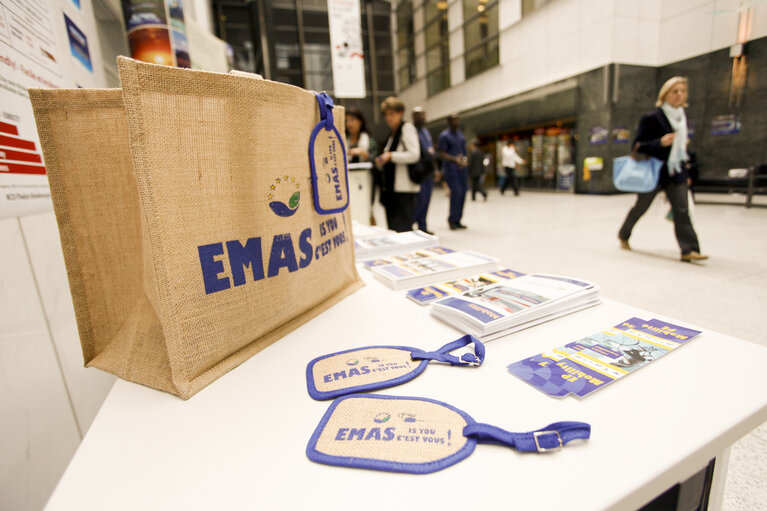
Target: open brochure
507 307
391 244
427 270
429 294
589 364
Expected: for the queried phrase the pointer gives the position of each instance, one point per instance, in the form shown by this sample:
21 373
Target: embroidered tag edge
319 395
389 466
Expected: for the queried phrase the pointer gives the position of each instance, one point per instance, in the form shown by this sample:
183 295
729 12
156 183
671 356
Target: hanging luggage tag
327 157
378 367
417 435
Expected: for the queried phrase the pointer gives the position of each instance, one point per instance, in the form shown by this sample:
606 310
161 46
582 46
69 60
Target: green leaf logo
293 202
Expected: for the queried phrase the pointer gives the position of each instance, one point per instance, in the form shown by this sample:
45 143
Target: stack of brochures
362 231
507 307
407 256
589 364
390 244
429 294
435 268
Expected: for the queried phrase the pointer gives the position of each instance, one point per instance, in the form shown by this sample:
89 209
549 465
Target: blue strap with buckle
417 435
443 354
550 438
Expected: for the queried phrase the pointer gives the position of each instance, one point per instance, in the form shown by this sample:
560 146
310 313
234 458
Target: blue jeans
422 205
458 182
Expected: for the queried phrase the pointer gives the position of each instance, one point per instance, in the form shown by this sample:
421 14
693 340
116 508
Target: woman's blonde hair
670 84
392 103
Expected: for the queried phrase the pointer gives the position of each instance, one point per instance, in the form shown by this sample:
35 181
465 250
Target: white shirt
509 157
408 151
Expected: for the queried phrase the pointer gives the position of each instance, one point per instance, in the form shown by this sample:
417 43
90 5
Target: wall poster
347 57
43 43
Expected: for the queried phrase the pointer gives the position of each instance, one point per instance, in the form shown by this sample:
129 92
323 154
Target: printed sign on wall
156 31
725 124
54 48
598 135
347 57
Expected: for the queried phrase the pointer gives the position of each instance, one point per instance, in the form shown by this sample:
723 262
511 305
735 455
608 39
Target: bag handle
636 155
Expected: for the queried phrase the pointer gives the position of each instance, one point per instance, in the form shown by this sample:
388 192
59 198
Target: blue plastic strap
326 109
443 354
552 437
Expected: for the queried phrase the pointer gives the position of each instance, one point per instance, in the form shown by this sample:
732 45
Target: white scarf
678 154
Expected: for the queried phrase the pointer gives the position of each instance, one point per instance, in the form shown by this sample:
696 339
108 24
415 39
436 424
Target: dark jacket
651 129
476 163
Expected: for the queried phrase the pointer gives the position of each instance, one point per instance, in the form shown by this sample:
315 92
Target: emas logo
281 187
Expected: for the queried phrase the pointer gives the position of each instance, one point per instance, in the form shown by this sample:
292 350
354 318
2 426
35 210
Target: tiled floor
576 235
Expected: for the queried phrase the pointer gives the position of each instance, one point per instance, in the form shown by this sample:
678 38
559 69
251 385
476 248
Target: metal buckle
474 362
536 434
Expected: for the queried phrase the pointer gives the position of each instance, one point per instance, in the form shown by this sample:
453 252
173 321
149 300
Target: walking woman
399 193
662 134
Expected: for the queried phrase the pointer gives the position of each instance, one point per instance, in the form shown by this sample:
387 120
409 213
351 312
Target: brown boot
693 256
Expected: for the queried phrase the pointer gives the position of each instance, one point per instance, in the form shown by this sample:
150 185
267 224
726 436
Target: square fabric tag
377 367
395 434
417 435
360 370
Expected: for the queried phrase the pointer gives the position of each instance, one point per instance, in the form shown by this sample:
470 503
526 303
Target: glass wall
437 46
480 35
289 41
405 43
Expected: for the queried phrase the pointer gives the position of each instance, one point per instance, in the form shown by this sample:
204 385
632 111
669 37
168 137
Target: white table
360 189
240 443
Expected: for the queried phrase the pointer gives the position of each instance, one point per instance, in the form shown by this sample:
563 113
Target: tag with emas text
377 367
416 435
327 157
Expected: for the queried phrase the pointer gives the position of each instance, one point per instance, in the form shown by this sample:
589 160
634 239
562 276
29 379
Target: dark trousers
677 196
399 211
511 179
458 182
476 186
422 203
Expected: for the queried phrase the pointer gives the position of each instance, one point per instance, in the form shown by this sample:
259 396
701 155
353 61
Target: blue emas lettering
250 257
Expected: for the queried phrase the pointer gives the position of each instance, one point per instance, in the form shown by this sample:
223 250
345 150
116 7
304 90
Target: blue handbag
636 173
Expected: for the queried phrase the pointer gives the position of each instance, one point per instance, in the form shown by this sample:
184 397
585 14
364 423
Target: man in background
452 151
510 159
427 146
476 169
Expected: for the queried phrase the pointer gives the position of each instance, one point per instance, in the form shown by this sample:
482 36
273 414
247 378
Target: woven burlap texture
141 177
419 430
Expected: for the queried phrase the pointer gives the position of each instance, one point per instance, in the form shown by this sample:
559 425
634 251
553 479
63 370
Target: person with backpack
402 150
427 160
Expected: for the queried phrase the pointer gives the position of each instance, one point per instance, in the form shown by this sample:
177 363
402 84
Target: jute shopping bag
193 232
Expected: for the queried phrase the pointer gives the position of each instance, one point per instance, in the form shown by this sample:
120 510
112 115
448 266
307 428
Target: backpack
423 168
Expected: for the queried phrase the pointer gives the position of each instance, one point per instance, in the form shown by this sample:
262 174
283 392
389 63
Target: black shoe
460 226
453 226
427 232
